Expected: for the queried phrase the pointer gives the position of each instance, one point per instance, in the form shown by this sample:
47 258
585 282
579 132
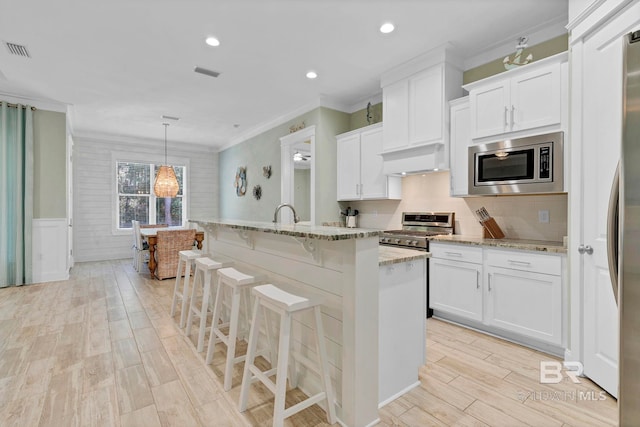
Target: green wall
358 119
49 163
539 51
263 150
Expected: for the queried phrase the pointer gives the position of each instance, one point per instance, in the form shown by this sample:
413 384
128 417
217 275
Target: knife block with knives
491 228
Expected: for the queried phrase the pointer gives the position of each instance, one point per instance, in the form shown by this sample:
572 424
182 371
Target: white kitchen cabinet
455 280
460 139
529 304
401 327
416 111
359 167
514 293
518 100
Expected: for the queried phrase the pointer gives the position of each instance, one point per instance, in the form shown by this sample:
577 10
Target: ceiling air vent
17 49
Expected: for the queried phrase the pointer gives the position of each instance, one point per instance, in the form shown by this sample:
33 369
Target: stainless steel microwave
517 166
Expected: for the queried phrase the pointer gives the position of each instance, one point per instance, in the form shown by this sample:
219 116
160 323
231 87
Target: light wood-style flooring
100 349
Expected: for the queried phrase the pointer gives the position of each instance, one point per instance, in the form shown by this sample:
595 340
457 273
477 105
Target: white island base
342 266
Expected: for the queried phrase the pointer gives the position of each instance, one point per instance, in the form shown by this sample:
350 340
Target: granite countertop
388 255
523 244
295 230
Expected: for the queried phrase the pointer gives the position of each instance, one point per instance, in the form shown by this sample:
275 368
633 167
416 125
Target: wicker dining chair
168 245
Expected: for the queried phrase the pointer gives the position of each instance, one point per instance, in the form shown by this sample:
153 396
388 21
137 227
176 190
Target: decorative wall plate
257 192
241 181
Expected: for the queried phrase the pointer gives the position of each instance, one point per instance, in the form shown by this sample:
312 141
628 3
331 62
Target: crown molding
39 103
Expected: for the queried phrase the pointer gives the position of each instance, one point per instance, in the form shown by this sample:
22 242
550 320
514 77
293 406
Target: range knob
414 242
396 241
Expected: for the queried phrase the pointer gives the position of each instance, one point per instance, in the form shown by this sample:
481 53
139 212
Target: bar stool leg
324 365
174 302
192 302
185 293
233 334
217 312
247 376
206 283
281 376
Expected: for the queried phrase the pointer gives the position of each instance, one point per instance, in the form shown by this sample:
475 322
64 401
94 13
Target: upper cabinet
519 100
360 174
416 112
459 147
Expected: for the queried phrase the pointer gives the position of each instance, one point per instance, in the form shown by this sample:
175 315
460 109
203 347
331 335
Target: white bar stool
185 260
285 304
237 283
204 268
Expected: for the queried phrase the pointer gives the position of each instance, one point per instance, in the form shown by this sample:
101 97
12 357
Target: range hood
414 160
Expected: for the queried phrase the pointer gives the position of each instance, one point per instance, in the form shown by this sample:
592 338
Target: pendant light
166 184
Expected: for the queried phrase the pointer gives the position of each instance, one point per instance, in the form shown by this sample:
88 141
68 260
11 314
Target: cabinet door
456 288
459 153
426 101
490 109
348 164
536 99
374 182
527 303
395 106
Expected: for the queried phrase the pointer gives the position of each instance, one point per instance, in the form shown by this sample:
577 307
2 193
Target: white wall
94 186
516 215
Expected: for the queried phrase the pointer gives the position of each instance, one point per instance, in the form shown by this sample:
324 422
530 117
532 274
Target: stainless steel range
417 227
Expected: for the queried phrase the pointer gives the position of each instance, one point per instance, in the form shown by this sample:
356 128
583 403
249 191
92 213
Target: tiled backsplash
516 215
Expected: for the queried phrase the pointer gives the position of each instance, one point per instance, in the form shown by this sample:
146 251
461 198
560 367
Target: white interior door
602 121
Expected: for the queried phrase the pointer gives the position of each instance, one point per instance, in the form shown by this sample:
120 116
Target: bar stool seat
285 304
205 267
186 260
236 283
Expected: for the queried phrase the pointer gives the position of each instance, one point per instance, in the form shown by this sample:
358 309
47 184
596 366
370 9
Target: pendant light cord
165 142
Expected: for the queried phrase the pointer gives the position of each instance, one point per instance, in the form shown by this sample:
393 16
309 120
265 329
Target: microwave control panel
545 162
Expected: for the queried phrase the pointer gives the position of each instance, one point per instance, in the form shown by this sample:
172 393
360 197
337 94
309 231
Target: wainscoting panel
49 239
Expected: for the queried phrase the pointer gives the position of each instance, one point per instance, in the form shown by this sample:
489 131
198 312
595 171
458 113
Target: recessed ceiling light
212 41
387 27
312 75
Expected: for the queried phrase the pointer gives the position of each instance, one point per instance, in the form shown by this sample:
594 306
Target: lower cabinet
516 292
526 303
459 289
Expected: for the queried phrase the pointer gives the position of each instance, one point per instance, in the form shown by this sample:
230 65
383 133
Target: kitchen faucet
296 218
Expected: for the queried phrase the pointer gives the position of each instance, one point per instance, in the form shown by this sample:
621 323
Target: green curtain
16 194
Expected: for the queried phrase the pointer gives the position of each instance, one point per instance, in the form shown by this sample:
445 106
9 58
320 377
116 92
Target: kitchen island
341 265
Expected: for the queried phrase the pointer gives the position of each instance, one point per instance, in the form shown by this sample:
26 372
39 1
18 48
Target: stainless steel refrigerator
628 241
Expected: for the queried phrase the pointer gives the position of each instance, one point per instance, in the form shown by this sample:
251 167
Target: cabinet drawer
456 252
525 261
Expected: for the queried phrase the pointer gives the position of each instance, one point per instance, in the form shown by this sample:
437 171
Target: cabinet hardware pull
489 277
506 122
513 110
477 279
513 261
453 254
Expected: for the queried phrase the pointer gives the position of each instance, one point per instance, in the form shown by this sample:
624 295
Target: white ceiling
121 64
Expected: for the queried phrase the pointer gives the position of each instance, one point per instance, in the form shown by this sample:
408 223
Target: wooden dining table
151 236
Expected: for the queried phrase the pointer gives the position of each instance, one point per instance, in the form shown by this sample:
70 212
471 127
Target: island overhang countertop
295 230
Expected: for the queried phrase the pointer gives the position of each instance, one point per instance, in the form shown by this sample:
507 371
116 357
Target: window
136 200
